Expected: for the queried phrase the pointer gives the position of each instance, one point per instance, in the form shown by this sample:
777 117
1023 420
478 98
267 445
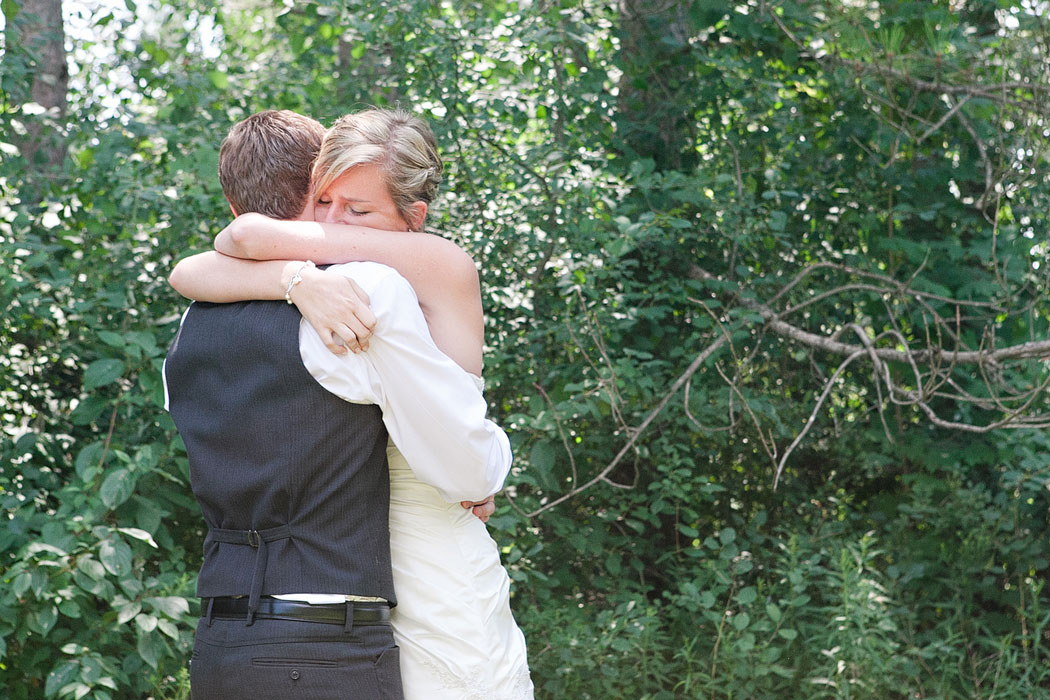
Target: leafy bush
652 191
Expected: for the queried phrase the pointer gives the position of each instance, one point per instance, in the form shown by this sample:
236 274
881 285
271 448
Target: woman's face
360 197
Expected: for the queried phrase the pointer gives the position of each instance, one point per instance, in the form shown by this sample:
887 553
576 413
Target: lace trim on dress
477 687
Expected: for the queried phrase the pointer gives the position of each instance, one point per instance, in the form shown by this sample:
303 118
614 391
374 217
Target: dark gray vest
292 480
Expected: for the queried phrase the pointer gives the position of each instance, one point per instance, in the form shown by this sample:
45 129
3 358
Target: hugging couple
336 430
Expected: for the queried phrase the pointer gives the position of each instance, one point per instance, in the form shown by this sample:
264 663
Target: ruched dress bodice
453 620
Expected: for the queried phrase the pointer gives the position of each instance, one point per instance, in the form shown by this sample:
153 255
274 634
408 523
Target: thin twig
940 122
813 415
561 430
637 432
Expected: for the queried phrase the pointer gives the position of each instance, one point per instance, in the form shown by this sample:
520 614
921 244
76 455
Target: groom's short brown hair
265 163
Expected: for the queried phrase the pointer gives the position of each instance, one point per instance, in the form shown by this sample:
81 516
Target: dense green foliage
678 208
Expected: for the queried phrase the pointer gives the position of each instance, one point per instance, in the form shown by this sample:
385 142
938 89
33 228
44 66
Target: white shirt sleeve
432 408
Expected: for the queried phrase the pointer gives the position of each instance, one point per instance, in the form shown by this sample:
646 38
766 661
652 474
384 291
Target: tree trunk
36 39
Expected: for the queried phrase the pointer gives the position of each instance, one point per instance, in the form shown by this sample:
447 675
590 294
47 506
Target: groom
288 462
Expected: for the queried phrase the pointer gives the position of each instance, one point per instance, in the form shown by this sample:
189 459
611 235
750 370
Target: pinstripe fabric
282 660
270 448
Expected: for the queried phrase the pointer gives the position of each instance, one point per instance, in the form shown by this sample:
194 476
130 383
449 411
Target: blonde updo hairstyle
403 147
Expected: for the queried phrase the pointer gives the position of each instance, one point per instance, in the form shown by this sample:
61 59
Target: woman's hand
482 510
336 307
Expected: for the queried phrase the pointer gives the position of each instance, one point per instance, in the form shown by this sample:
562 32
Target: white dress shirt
432 408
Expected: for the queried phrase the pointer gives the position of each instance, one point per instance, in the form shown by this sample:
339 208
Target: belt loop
211 607
348 624
255 540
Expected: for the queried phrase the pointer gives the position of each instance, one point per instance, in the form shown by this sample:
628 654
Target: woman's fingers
332 342
337 308
363 312
482 510
355 336
358 330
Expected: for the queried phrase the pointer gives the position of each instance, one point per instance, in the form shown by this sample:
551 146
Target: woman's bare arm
442 274
220 278
434 266
342 318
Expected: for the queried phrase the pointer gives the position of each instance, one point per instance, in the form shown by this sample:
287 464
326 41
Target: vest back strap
258 540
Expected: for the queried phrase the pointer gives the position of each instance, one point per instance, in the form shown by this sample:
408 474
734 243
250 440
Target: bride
380 169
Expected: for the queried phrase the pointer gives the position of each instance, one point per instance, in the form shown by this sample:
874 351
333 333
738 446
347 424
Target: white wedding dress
452 621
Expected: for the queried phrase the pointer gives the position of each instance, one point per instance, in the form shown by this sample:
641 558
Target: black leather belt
276 609
257 540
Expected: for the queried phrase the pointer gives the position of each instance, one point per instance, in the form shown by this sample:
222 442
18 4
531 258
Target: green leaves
117 487
21 582
541 459
150 648
87 461
630 186
60 677
91 567
219 79
42 619
173 606
115 555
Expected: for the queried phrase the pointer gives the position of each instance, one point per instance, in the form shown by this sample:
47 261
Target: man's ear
417 213
235 214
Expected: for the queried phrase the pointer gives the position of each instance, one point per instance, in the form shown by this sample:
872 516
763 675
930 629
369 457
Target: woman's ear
417 214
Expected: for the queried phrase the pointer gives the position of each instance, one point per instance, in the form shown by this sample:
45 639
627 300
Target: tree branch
637 433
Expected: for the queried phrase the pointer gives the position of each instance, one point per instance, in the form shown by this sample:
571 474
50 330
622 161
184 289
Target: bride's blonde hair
403 147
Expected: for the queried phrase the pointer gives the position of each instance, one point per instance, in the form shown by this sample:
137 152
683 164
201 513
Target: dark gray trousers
290 660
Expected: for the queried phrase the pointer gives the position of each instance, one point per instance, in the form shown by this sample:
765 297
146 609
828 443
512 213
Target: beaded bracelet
296 279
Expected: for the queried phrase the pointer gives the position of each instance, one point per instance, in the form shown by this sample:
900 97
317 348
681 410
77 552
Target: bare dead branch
940 122
876 366
1030 350
770 447
561 431
636 433
813 415
891 284
931 366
